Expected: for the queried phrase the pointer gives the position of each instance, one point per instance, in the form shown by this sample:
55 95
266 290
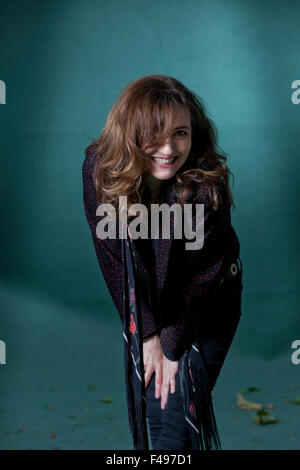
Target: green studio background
64 63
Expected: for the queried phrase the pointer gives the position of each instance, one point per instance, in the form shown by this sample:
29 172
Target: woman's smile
163 162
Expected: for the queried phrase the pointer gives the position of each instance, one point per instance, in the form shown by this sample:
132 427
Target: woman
179 307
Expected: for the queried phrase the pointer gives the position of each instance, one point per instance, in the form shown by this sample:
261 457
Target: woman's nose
167 148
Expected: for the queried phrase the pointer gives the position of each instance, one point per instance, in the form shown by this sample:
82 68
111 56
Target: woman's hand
153 357
165 370
169 370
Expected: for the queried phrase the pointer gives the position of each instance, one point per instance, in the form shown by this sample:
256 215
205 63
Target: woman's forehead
176 116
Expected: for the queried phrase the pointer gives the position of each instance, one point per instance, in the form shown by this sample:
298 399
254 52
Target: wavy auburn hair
143 117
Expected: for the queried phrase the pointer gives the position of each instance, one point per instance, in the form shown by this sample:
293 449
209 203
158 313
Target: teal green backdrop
64 63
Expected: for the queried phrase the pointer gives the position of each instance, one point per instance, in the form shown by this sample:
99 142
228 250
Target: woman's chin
163 175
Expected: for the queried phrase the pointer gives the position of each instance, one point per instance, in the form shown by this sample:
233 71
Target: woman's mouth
164 162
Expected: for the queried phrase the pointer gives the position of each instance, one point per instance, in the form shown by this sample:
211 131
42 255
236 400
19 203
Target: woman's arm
109 251
200 274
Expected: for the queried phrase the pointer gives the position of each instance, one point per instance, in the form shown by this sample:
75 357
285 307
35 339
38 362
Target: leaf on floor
91 387
263 417
270 406
246 404
107 400
18 431
250 390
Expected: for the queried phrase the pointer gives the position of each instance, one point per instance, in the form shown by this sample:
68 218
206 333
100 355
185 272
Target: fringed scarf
194 385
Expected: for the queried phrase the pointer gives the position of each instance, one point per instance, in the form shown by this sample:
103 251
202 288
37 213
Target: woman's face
166 160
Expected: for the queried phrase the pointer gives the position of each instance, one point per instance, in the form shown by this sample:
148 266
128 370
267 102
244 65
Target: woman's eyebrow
182 127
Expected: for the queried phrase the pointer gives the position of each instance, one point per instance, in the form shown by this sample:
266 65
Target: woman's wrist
153 338
151 335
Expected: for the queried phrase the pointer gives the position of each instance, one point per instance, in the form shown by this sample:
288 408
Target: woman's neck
154 185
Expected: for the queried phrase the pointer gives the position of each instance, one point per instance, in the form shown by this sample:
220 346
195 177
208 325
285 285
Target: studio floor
63 385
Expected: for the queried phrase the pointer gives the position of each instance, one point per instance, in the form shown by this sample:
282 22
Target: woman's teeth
164 161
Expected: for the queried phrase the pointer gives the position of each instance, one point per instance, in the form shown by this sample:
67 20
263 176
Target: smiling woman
179 307
169 157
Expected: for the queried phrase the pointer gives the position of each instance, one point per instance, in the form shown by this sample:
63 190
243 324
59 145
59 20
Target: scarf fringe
209 438
136 416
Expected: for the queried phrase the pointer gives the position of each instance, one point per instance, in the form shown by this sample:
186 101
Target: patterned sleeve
109 251
200 271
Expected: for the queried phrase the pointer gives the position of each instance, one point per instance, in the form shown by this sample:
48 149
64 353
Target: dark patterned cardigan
175 284
159 287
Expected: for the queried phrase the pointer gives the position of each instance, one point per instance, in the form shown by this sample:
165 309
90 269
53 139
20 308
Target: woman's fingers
152 358
172 384
148 375
165 369
169 372
158 381
164 395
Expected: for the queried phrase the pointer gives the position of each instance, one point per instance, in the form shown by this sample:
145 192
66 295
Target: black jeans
168 428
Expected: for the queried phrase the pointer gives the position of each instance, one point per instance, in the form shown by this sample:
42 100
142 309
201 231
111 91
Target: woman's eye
184 133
